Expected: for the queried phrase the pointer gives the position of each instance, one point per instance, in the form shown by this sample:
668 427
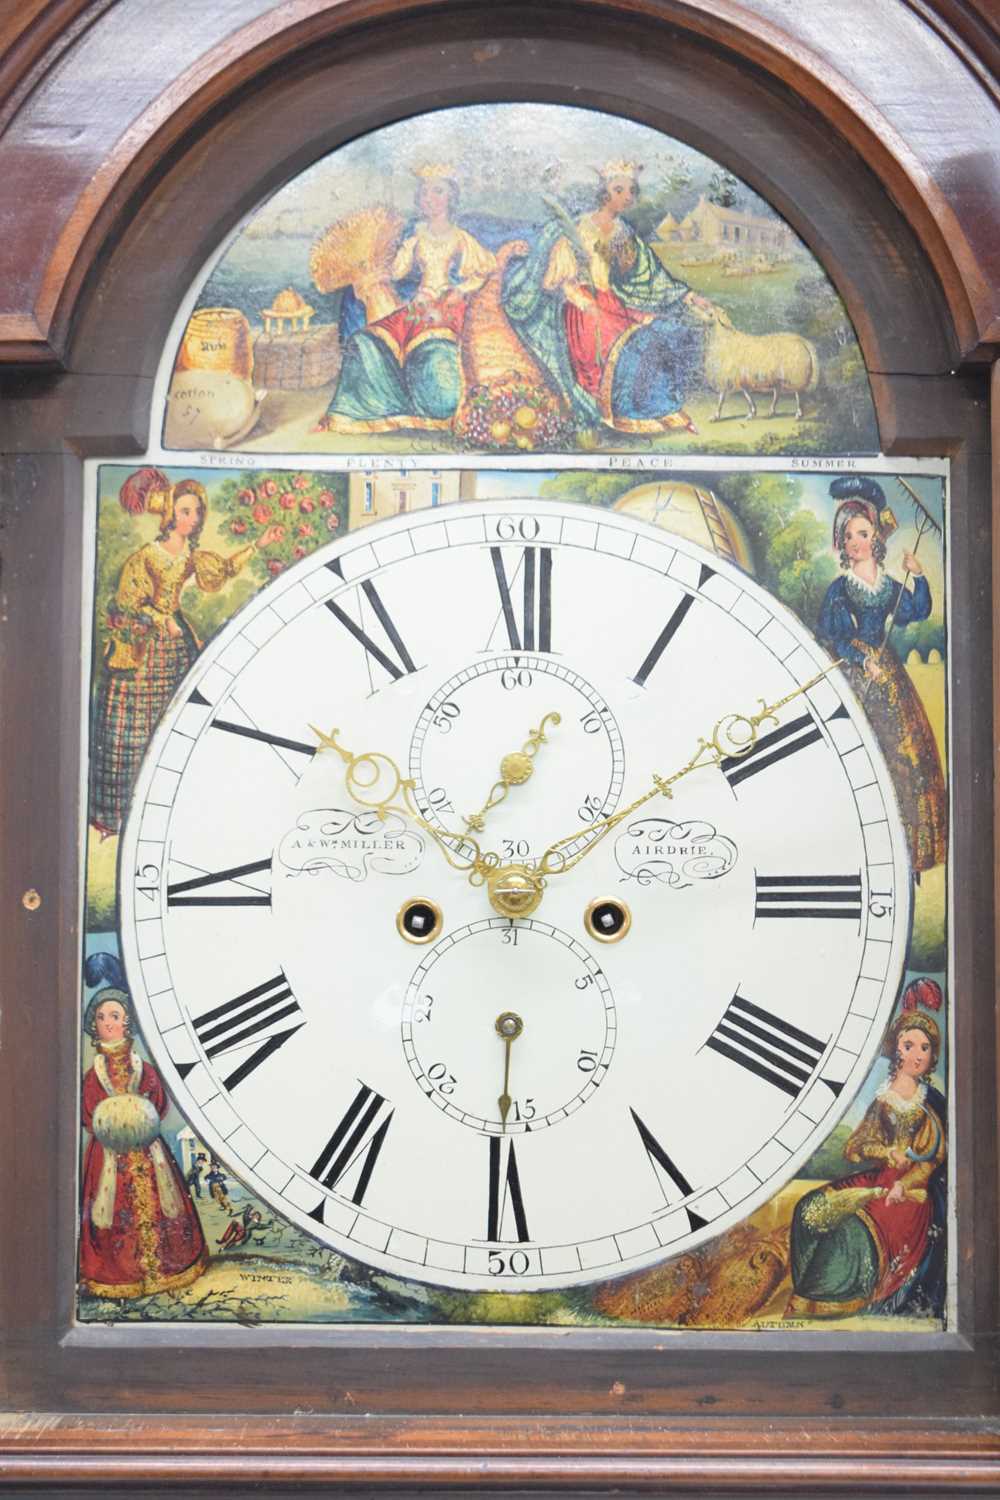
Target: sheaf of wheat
362 245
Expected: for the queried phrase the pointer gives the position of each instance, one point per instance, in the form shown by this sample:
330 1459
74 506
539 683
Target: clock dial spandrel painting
530 907
517 745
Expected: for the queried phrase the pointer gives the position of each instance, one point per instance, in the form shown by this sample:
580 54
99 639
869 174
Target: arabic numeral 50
514 1264
448 711
880 903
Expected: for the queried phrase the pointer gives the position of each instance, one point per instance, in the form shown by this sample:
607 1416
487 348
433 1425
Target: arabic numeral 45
147 881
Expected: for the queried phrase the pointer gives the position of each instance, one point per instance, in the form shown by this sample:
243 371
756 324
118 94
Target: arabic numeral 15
880 903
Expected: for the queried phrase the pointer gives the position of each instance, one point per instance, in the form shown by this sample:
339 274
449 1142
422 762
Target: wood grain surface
132 138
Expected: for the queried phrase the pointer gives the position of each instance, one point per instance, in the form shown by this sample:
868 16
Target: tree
723 189
588 486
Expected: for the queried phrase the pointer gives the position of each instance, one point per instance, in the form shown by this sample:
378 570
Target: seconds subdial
488 710
559 994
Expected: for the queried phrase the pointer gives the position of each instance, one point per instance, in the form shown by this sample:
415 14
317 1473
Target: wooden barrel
217 338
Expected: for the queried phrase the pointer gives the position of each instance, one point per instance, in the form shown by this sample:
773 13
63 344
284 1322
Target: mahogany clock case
540 1408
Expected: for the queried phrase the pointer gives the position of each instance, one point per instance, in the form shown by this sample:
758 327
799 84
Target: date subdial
485 711
450 1011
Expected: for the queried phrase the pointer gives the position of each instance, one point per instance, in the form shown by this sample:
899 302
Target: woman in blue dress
859 610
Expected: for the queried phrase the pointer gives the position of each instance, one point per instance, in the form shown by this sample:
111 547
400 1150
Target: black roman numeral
836 896
394 657
529 620
659 1158
770 748
505 1188
245 1018
178 894
359 1136
277 740
663 640
764 1044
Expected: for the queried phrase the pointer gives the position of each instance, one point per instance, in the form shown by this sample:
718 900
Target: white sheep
758 362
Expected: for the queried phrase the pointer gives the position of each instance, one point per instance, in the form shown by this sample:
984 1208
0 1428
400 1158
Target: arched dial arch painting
514 279
517 813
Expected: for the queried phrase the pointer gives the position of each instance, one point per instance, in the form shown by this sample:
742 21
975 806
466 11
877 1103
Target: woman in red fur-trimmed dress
139 1232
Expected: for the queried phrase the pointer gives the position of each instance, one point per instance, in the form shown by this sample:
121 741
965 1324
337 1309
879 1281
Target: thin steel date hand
508 1028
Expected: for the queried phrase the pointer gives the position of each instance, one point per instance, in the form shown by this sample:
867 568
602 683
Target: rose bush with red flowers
247 503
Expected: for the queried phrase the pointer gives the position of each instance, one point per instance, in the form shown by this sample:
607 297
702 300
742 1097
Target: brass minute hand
735 734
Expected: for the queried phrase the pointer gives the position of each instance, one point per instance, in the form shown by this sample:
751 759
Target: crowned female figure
149 643
605 318
875 1241
139 1232
403 369
858 612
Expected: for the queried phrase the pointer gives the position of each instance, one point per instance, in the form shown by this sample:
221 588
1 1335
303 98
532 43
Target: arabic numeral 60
527 528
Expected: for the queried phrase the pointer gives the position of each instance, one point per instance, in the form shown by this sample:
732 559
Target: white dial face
655 1089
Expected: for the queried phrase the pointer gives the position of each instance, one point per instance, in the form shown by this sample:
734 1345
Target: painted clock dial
660 1087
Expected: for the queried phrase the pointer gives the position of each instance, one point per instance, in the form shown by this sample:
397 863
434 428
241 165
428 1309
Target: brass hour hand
375 782
516 768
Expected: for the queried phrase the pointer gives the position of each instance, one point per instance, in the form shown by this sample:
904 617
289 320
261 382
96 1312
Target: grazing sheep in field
760 362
